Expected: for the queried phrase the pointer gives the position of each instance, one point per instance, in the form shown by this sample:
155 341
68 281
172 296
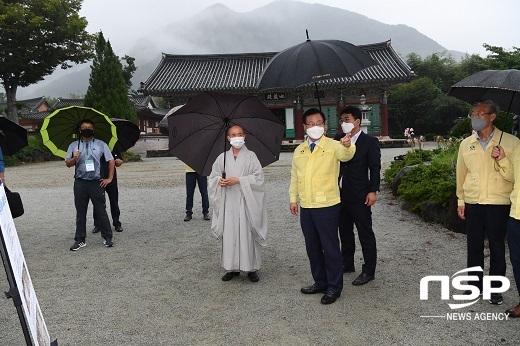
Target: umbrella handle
223 175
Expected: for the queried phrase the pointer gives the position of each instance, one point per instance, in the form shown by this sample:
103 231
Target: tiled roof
62 103
154 112
391 68
239 73
188 74
36 115
28 106
141 101
31 104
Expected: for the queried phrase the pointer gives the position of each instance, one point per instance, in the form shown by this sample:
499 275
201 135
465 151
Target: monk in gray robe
239 210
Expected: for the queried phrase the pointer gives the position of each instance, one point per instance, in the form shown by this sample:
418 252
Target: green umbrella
60 128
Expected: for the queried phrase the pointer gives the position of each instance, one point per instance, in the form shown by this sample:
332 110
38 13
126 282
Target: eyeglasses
319 123
477 114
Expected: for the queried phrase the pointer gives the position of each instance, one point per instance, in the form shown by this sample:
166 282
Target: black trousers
113 197
320 230
360 215
85 191
482 219
193 178
513 241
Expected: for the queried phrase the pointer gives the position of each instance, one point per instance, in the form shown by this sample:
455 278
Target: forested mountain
218 29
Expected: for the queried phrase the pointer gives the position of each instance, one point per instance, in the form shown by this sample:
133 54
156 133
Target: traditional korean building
179 77
32 112
149 115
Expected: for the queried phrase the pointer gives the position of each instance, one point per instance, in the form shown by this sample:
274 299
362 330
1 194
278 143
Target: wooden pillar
298 121
384 115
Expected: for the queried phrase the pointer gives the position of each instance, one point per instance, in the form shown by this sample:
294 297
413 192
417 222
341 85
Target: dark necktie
312 146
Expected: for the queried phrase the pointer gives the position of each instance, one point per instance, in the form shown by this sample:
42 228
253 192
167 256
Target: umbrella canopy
198 130
14 138
313 61
500 86
60 128
128 133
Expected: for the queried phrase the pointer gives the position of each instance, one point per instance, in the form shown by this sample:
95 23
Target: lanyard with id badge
89 162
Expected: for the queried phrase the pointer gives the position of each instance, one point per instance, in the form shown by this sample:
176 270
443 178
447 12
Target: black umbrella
198 130
128 133
14 136
500 86
311 62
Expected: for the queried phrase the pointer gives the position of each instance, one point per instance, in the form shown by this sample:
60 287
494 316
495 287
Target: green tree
501 59
36 37
409 102
469 65
439 67
128 70
107 91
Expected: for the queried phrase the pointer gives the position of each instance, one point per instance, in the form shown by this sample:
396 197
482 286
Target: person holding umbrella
112 192
483 193
128 134
239 218
314 181
13 138
85 155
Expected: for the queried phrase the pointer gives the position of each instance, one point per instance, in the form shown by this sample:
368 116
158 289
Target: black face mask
87 133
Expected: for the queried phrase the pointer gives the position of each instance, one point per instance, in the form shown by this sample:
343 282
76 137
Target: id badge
89 165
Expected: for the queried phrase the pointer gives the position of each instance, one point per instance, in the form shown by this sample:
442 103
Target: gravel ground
160 284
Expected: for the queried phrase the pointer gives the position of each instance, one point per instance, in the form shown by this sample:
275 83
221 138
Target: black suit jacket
361 174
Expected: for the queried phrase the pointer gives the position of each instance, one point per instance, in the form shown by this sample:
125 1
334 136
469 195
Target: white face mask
316 132
237 142
347 127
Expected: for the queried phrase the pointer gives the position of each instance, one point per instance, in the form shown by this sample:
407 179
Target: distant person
359 180
85 156
239 208
112 192
314 182
193 178
483 193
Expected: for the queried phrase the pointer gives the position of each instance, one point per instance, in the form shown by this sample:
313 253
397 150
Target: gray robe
239 211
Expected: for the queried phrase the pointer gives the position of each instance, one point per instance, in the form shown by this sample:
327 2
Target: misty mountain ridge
220 30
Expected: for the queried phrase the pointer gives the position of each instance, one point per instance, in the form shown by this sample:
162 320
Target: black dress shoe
188 217
253 276
362 279
312 289
206 217
329 297
230 275
514 311
349 269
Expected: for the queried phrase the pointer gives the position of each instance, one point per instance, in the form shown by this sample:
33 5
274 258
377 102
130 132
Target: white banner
35 322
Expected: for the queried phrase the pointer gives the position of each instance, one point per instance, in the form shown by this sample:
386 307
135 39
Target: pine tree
107 91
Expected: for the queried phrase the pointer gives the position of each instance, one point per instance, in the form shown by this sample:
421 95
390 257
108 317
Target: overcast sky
462 25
